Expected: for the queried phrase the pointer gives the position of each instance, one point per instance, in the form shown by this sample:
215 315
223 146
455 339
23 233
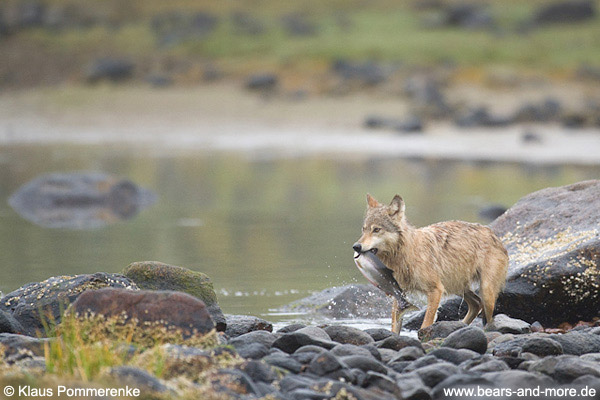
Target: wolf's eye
376 230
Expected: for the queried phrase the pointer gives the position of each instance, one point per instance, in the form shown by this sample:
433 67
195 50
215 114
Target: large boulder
80 200
37 306
565 12
553 243
154 275
168 311
341 302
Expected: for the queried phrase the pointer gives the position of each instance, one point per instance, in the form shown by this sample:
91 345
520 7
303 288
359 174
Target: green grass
380 30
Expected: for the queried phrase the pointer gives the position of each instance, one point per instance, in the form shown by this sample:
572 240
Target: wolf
443 258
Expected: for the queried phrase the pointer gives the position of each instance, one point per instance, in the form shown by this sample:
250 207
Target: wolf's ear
372 203
396 208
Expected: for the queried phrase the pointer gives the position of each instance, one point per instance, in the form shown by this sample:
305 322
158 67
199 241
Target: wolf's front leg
433 302
396 318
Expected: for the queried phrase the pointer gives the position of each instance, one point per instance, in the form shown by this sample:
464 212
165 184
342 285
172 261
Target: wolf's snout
357 247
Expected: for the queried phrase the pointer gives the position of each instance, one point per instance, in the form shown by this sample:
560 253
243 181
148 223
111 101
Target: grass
378 30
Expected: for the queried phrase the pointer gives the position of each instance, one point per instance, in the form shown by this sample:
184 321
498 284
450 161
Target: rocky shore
159 328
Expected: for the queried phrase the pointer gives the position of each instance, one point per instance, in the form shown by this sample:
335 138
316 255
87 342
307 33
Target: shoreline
224 118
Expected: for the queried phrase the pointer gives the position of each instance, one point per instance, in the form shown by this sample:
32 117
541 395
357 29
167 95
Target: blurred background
244 136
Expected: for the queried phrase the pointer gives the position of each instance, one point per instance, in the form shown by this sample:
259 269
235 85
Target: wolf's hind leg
474 303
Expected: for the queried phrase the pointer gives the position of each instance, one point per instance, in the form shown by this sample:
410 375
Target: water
266 232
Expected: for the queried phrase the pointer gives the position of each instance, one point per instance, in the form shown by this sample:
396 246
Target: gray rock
154 275
79 200
240 324
347 334
350 301
293 382
591 357
440 329
328 365
364 363
315 332
396 342
568 369
461 380
342 350
283 361
109 69
263 337
291 328
53 296
433 374
453 309
467 338
15 347
308 394
408 354
491 366
253 351
505 324
569 11
379 333
455 356
258 371
262 82
551 237
542 347
381 382
578 343
290 342
8 324
421 362
387 355
517 379
412 388
138 378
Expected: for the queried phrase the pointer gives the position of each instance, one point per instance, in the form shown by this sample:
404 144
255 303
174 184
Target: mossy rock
154 275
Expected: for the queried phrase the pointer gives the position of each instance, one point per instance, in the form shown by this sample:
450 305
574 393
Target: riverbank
224 117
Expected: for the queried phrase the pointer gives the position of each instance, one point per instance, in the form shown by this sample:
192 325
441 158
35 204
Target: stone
461 380
379 333
342 350
439 329
52 297
467 338
381 382
453 309
396 342
421 362
491 211
293 382
324 364
433 374
263 337
347 334
283 361
568 369
569 11
253 351
344 302
517 379
591 357
262 82
290 342
79 200
291 328
364 363
542 347
228 380
455 356
8 323
14 346
408 354
412 388
172 310
240 324
108 69
138 378
554 248
578 343
491 366
258 371
505 324
154 275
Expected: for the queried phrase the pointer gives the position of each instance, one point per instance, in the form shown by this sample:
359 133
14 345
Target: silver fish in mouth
381 276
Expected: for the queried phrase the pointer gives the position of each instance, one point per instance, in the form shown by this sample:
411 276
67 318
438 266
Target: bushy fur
443 258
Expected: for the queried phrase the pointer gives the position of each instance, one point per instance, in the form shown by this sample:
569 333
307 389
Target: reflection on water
266 232
83 200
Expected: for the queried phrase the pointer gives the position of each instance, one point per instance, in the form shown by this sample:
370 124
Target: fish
382 277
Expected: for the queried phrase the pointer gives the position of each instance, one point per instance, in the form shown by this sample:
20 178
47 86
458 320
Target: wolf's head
382 227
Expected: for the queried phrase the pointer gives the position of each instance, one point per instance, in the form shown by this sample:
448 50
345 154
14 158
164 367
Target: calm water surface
266 232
